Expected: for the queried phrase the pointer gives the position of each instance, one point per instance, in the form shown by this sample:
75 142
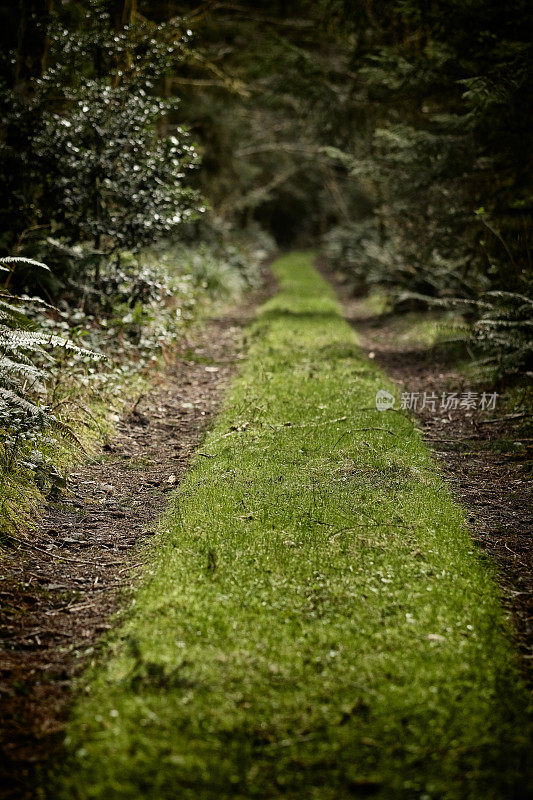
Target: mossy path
315 621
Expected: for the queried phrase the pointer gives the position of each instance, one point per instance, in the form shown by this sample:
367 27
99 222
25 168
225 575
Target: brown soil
60 586
485 456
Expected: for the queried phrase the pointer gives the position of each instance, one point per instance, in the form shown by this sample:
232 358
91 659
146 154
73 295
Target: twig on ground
60 557
505 418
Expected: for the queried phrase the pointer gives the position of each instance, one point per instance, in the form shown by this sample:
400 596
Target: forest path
314 620
485 455
60 585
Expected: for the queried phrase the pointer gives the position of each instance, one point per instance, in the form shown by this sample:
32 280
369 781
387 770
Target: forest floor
314 620
61 583
486 457
266 645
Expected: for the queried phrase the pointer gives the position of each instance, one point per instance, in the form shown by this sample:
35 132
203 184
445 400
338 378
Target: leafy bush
89 154
111 179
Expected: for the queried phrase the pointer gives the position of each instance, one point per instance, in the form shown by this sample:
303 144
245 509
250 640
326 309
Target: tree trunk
123 13
122 16
32 44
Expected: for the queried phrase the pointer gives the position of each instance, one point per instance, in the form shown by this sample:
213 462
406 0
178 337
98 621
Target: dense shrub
110 178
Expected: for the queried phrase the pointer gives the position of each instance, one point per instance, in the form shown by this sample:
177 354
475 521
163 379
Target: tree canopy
397 132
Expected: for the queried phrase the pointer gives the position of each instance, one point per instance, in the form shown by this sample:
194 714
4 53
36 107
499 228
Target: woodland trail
484 456
314 620
61 584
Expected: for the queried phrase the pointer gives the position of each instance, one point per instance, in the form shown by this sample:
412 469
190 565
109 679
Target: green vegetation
398 134
314 620
149 302
30 431
439 138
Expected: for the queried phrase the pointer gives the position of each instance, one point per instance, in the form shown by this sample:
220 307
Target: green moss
315 621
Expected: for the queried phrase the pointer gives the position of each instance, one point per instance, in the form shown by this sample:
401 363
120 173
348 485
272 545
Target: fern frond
10 312
511 296
24 298
21 380
505 323
22 260
9 348
65 432
11 398
9 379
28 339
7 365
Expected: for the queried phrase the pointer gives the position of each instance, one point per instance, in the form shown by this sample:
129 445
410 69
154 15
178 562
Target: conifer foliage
445 92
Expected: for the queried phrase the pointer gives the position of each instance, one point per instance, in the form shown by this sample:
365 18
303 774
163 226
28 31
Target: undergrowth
496 324
31 430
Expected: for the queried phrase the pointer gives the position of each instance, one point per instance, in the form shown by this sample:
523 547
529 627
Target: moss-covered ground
314 622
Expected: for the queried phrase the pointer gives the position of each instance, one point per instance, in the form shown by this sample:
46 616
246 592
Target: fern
504 330
24 420
500 326
15 260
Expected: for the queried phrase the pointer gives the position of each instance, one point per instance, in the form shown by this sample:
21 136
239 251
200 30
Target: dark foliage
443 92
81 153
399 129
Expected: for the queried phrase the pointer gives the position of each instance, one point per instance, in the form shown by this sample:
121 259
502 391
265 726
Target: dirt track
60 586
494 486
